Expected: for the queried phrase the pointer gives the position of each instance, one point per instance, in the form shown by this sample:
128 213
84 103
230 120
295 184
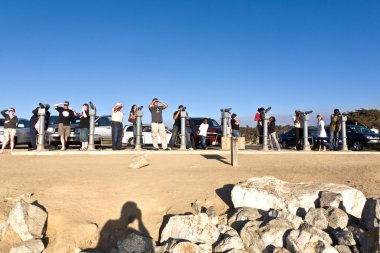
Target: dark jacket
9 123
34 118
272 127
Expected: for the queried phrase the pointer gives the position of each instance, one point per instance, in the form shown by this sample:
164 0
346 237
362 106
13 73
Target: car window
130 129
2 122
360 130
147 129
104 121
24 122
213 123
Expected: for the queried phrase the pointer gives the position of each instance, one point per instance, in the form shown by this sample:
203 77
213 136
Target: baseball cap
66 102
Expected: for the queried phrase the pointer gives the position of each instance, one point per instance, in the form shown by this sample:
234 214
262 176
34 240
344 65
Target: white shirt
117 116
296 124
321 129
203 129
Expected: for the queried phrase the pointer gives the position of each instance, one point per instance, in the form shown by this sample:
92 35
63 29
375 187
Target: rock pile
29 222
271 215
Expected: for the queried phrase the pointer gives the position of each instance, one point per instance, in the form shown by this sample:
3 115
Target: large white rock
188 247
194 228
3 228
27 220
229 243
269 192
30 246
301 242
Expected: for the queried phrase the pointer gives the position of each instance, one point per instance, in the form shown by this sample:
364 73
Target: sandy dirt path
80 191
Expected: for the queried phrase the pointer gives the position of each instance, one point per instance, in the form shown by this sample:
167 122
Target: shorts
83 134
63 130
9 132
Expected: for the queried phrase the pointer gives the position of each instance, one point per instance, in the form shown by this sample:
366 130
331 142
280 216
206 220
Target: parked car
360 137
52 136
214 132
103 130
22 132
288 139
146 135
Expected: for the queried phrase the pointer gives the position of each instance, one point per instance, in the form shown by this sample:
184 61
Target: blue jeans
33 134
235 133
83 134
203 141
117 130
334 140
174 136
188 140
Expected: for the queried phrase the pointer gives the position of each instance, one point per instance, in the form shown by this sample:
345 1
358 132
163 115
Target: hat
336 111
260 109
119 105
180 106
66 102
154 99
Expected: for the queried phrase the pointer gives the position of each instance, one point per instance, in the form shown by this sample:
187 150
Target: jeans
273 138
188 140
33 134
298 137
235 133
334 139
83 134
203 141
117 130
260 133
174 136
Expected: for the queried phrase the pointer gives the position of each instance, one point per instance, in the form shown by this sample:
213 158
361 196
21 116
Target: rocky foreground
269 215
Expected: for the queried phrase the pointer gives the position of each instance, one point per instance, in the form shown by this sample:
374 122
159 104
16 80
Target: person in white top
202 132
321 133
117 126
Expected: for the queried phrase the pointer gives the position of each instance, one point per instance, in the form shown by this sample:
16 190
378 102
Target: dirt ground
85 195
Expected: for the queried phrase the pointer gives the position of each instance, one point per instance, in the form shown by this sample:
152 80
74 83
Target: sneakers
167 149
63 149
156 149
190 149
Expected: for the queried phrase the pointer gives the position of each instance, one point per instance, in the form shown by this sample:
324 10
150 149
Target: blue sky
311 55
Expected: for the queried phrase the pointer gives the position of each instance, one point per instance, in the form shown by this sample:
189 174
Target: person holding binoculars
157 123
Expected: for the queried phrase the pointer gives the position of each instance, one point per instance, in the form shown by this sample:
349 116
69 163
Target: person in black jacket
34 128
84 126
10 125
272 133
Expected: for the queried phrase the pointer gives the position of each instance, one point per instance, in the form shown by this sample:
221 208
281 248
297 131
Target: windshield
2 122
360 130
211 122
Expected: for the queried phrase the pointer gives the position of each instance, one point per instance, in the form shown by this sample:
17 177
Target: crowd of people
156 108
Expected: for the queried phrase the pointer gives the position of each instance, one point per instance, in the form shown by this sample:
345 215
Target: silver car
22 132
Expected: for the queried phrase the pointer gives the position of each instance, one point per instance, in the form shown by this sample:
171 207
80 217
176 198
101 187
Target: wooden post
234 151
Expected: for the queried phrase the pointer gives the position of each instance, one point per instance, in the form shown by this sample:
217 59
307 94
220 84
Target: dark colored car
288 139
360 137
214 132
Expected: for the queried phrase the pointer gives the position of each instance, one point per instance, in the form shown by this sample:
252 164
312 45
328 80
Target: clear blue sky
317 55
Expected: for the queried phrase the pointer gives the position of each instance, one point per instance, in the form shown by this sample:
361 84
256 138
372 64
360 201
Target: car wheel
131 141
284 144
357 146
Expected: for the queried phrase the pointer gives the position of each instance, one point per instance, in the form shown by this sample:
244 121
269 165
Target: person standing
157 123
64 121
84 126
133 119
259 127
335 127
202 132
117 126
272 133
177 126
34 127
321 133
297 128
235 125
10 125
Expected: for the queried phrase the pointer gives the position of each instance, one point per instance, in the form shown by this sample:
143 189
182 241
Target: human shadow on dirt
116 230
224 194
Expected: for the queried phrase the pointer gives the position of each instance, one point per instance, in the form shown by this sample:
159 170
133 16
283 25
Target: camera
140 108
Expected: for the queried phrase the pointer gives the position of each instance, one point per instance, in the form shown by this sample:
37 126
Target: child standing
321 133
202 132
272 133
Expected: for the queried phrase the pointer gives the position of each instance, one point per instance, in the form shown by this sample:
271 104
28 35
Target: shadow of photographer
116 230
